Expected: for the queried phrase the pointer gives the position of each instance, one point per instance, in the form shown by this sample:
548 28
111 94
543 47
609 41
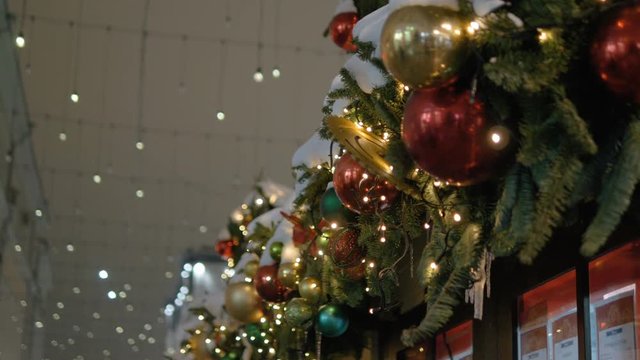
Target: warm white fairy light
139 145
334 225
365 199
385 135
62 136
319 167
97 178
437 183
38 212
258 76
372 264
220 115
383 198
259 201
427 226
369 129
20 40
433 266
140 193
275 72
383 240
365 176
75 97
457 217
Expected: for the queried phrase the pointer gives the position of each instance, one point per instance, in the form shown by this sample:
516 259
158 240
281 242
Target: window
456 343
614 309
547 320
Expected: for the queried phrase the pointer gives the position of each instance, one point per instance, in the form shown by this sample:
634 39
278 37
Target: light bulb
103 274
139 145
457 217
97 178
199 269
70 248
111 295
220 115
74 97
140 193
433 266
38 213
275 72
258 76
20 41
62 136
383 239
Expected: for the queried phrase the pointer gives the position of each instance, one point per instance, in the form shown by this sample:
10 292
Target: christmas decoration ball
224 248
359 190
310 289
424 46
356 272
299 313
332 320
231 355
344 248
289 274
341 30
275 250
242 302
332 210
447 135
254 334
615 53
251 268
268 285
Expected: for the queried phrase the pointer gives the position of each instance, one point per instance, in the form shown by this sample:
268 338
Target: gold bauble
310 289
251 268
424 46
299 313
289 274
243 302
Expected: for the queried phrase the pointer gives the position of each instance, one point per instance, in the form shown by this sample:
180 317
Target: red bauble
341 29
356 272
359 190
224 248
615 52
268 286
344 249
447 134
301 233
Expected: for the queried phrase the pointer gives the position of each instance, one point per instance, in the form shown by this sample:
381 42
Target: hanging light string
75 62
141 75
20 39
32 37
220 115
275 72
105 75
174 35
258 76
184 50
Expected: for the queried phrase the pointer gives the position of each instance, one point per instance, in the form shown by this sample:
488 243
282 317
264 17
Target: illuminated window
613 283
456 343
547 320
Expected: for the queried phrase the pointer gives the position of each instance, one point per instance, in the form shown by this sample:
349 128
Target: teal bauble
332 209
332 320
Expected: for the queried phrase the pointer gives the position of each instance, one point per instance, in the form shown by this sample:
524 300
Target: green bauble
332 209
322 241
231 355
332 320
275 250
254 334
299 313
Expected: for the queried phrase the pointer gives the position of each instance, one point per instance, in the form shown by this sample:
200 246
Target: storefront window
456 343
548 326
613 283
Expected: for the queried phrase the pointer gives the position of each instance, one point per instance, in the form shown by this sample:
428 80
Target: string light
74 97
334 225
140 193
258 76
20 40
139 145
275 72
97 178
38 212
427 226
457 217
220 115
111 295
433 266
62 136
103 274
